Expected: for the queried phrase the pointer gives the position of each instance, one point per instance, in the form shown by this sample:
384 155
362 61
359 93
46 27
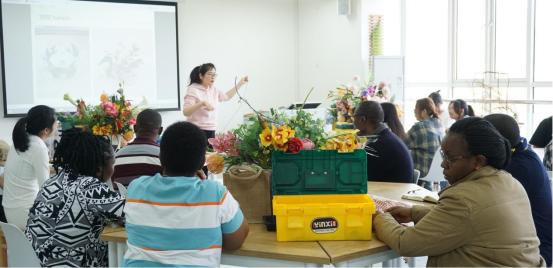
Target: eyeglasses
211 74
450 160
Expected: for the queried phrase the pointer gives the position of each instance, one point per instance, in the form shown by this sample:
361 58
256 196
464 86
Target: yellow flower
266 137
350 143
129 135
215 163
281 135
104 97
281 147
103 130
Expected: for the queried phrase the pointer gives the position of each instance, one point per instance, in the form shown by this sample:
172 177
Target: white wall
257 38
330 46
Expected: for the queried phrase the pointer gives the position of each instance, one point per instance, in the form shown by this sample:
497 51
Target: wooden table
259 249
262 249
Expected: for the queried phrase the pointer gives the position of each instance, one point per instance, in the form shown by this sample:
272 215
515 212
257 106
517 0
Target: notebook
383 203
421 195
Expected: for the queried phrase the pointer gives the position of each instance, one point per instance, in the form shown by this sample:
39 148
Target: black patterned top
67 218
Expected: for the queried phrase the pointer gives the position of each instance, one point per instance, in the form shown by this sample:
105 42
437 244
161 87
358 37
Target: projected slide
85 48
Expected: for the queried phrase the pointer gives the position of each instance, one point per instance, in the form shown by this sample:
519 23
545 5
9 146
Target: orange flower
104 97
215 163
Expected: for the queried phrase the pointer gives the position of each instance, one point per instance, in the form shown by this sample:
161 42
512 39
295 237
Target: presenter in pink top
202 98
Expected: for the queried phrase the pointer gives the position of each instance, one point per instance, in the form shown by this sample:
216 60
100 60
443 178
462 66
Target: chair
416 175
121 188
435 173
20 251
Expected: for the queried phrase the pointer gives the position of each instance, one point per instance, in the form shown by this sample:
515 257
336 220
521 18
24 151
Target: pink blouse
204 119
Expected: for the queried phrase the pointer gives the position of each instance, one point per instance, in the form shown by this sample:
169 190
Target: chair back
416 175
435 173
20 251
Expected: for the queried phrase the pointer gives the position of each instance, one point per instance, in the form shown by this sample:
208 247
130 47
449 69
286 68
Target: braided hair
483 139
81 153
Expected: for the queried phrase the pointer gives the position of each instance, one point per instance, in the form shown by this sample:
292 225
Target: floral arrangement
347 97
256 139
113 116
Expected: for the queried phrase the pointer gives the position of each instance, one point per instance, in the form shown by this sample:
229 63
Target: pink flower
225 143
109 108
308 144
132 122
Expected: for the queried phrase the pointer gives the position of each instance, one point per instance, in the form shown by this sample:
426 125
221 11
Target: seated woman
459 109
388 158
526 167
482 219
70 210
177 219
391 119
27 164
423 139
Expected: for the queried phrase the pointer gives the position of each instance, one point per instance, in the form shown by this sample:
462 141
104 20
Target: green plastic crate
319 172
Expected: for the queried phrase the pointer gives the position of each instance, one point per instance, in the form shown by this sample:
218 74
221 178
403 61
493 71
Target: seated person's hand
200 174
401 214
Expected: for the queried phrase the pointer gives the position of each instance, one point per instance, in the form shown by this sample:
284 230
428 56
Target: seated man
141 157
388 159
177 219
526 167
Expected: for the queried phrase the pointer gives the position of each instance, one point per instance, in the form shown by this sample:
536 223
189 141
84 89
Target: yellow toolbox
323 217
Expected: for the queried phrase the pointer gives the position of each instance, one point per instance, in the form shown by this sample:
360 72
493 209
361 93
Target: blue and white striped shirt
178 221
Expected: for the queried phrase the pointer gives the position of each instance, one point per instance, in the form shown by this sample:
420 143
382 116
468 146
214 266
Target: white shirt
24 173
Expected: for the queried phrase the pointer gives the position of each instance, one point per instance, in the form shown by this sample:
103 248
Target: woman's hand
207 106
243 81
401 214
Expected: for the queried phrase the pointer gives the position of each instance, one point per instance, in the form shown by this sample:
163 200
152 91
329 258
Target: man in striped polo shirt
178 219
141 157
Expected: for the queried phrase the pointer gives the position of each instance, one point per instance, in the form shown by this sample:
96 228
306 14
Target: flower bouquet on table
346 97
113 117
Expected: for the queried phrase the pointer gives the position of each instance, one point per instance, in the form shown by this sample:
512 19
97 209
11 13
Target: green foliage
249 146
307 127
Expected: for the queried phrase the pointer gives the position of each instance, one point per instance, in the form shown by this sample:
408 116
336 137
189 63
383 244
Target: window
481 51
471 38
426 41
543 40
511 24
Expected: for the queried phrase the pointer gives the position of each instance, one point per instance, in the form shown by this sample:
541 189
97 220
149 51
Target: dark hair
391 119
461 106
436 98
38 118
507 127
483 139
148 122
81 153
182 149
427 104
200 70
371 110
